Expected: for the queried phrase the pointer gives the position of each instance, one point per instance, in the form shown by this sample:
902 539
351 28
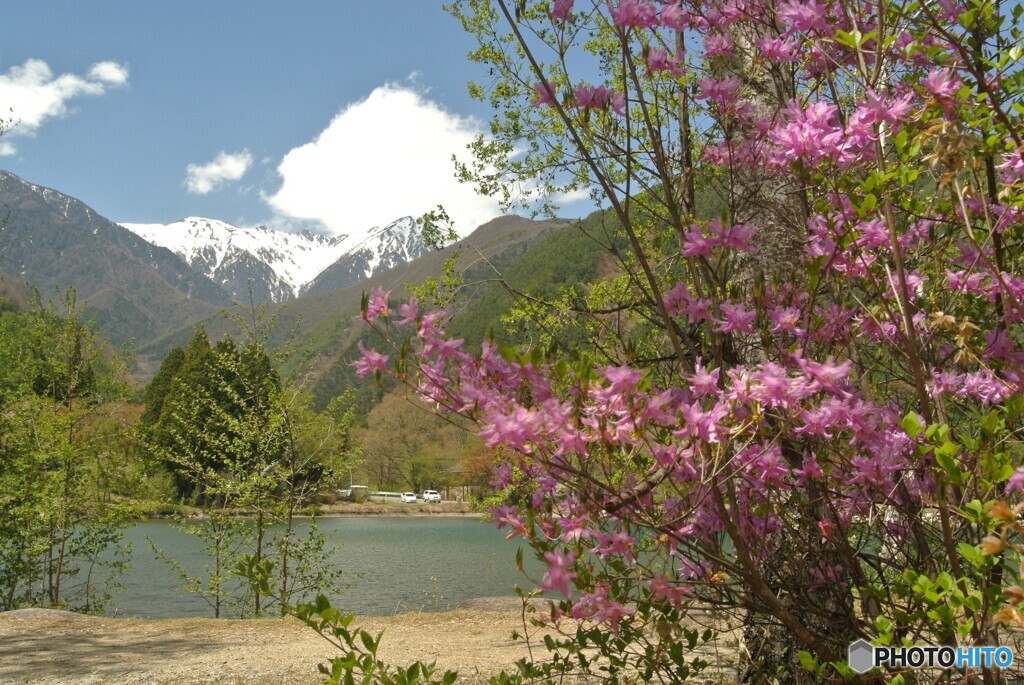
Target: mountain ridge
281 265
55 241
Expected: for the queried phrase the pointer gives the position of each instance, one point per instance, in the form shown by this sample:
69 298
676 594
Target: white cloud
34 94
7 150
203 178
109 72
379 159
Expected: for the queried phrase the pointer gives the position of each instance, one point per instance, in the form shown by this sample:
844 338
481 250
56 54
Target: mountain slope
137 290
331 325
327 325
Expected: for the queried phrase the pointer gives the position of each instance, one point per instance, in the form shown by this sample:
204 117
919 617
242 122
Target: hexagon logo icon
861 656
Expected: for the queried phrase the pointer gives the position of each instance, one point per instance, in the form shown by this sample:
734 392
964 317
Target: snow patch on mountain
231 255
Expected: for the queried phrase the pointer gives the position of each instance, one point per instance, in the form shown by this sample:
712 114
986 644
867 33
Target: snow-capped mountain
279 265
384 248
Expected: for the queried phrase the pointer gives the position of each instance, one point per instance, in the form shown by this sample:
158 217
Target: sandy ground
51 647
45 646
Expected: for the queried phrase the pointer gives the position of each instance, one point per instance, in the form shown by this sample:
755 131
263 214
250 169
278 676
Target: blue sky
334 113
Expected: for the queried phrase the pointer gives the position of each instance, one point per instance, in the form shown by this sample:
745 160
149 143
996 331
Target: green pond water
407 564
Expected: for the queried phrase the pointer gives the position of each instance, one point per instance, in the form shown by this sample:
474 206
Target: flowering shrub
811 402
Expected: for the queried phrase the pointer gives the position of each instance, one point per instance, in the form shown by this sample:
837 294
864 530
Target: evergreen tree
158 388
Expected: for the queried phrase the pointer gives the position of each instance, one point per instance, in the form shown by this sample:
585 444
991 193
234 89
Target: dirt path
44 646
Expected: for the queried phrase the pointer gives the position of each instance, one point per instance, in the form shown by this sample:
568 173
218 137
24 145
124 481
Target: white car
431 496
408 498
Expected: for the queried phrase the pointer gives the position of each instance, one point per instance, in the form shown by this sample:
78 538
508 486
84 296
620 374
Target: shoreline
351 510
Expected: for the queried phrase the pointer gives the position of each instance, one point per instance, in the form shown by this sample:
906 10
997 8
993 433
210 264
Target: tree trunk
778 207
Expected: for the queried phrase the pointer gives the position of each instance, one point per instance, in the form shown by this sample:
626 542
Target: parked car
431 496
408 497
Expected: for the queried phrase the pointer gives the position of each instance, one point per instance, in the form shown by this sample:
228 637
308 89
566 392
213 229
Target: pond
394 565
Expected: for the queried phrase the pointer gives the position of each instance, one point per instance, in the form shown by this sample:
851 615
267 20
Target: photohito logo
862 656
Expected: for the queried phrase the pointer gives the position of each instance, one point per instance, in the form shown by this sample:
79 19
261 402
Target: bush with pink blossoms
808 409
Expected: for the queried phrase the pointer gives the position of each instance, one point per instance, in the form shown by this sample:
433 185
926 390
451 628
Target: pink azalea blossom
1016 481
703 382
1012 166
410 311
561 9
675 299
942 83
377 304
716 44
721 92
559 575
599 97
616 542
674 17
803 16
777 49
636 13
658 60
699 309
603 609
370 361
785 320
736 318
516 430
812 134
695 244
541 95
664 588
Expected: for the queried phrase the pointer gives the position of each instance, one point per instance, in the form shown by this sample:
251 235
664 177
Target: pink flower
721 92
601 97
777 49
717 44
541 95
1012 166
427 329
508 516
695 244
658 60
827 374
517 430
561 10
622 378
703 382
371 361
376 304
676 299
604 609
812 134
733 237
942 84
559 575
636 13
736 318
891 110
1016 481
675 17
803 16
785 319
810 470
615 542
410 311
699 309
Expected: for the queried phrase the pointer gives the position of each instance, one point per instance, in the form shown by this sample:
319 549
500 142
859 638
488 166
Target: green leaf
911 423
808 662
